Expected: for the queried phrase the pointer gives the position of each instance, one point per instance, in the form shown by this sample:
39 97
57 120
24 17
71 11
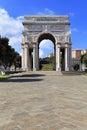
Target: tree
8 56
17 60
85 59
47 60
4 51
76 66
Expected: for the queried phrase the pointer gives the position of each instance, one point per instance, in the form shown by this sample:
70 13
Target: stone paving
43 101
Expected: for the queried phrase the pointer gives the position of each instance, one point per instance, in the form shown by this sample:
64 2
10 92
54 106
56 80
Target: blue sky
12 12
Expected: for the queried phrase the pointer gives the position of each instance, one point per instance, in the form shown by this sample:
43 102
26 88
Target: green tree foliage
83 59
8 56
47 60
17 60
76 67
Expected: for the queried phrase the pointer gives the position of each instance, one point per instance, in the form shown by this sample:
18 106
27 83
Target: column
70 57
30 63
26 57
66 58
22 57
34 57
54 57
37 57
58 68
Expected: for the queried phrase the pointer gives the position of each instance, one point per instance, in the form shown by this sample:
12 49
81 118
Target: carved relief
56 28
30 39
33 28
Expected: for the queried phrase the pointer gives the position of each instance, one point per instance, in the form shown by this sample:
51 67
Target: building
76 55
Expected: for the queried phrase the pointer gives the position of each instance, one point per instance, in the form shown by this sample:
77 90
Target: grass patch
47 67
4 76
85 74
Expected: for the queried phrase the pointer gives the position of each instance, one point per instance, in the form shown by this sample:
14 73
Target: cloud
11 28
74 30
46 47
47 11
41 53
48 44
71 14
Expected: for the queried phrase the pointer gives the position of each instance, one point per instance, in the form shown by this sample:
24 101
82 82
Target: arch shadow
24 78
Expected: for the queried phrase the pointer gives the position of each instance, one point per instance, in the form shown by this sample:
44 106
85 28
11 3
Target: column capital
23 40
22 45
26 44
34 44
70 44
66 45
58 44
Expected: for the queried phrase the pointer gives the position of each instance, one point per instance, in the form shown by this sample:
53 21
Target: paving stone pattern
43 101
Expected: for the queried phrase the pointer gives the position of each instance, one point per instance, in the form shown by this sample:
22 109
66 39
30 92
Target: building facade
54 28
76 55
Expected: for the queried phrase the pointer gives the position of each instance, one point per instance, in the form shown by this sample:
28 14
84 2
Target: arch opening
46 45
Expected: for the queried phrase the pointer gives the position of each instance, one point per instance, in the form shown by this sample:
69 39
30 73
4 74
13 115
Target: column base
34 69
66 69
58 69
26 69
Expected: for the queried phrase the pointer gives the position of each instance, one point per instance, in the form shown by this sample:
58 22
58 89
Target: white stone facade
54 28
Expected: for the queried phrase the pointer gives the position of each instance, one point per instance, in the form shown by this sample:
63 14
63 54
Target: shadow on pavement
29 75
24 78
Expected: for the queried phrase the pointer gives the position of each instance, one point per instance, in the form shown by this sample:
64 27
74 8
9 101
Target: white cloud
41 53
14 39
74 30
47 12
46 47
11 28
48 44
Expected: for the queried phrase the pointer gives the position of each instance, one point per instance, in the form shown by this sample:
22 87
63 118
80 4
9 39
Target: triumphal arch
54 28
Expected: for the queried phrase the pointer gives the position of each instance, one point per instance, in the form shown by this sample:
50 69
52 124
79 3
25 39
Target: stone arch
47 35
54 28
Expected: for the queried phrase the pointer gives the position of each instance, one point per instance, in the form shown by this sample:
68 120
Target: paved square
43 101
